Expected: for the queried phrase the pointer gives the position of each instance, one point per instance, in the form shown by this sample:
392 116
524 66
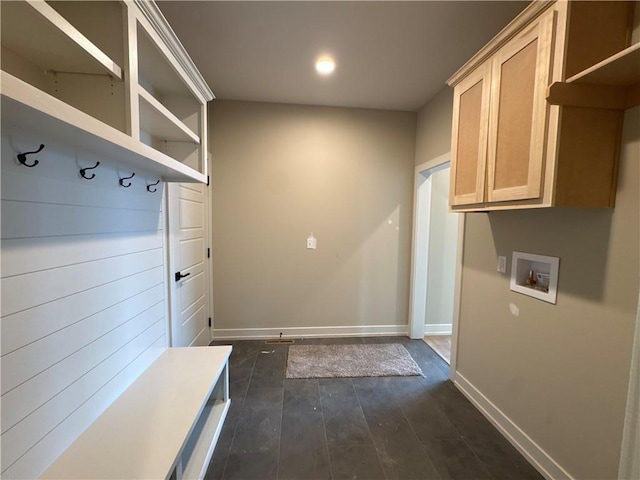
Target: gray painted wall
560 372
281 172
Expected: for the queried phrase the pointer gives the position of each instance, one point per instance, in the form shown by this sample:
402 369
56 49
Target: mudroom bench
165 425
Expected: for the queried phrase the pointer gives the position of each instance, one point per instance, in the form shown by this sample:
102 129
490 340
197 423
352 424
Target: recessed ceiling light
325 65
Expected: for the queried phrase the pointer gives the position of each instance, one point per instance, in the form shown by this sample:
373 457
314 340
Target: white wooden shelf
28 108
145 433
200 449
157 120
158 70
34 30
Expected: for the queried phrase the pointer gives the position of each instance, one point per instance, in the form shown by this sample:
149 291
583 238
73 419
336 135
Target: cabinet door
469 138
518 117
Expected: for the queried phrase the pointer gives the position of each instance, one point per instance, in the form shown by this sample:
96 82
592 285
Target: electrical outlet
502 264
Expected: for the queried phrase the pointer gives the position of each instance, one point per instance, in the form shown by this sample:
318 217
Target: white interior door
189 276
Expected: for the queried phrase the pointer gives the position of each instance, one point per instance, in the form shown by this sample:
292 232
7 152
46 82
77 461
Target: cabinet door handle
179 276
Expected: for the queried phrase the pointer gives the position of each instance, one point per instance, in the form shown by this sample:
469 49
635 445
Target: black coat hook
22 157
84 171
152 190
126 178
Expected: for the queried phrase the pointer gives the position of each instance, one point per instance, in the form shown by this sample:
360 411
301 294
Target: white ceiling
390 54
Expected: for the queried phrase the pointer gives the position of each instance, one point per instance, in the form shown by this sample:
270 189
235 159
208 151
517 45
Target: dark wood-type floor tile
344 420
354 428
252 466
355 462
303 448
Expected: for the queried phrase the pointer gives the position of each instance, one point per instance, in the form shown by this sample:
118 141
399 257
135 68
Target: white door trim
629 457
209 242
418 288
457 291
419 249
167 266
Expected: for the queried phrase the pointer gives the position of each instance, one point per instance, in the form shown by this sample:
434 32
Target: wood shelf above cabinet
613 83
158 121
621 69
57 45
26 108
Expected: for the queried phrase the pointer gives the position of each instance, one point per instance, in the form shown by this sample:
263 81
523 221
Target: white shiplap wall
82 296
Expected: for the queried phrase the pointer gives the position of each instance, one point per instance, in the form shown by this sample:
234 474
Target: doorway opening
436 262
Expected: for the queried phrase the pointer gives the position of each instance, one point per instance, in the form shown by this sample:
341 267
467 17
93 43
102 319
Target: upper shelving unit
146 108
25 107
171 109
58 45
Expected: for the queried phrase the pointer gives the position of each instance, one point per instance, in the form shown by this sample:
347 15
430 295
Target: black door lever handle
179 276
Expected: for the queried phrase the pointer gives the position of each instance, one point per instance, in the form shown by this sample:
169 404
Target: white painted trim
540 459
414 324
457 295
306 332
419 257
438 329
417 303
167 266
160 25
209 239
630 450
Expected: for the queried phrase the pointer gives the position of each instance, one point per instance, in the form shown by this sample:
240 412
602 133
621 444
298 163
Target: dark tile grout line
437 405
235 427
286 359
404 414
373 442
324 429
415 435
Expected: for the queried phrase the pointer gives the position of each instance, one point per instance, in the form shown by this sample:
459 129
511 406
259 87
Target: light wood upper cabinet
470 126
511 147
518 118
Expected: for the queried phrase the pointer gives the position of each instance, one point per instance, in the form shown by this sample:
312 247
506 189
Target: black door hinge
208 253
207 180
209 322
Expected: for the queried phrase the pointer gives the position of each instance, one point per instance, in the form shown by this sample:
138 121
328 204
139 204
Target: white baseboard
438 329
306 332
540 459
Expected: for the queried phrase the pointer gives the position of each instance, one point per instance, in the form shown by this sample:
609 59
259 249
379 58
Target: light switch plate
312 242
